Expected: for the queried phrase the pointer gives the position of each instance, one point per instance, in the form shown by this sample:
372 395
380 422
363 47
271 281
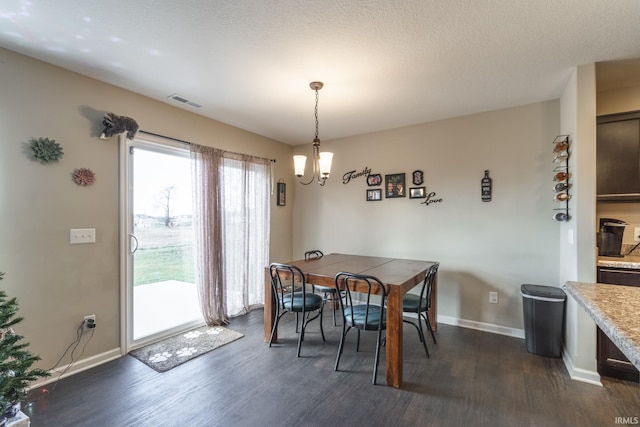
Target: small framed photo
418 177
417 192
374 180
394 185
374 195
282 194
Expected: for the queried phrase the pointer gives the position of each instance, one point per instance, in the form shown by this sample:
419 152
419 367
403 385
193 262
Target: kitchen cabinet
618 157
611 361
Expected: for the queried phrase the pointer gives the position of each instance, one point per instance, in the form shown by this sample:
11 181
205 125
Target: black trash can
543 309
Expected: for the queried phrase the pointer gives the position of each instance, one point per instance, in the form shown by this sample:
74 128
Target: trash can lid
549 293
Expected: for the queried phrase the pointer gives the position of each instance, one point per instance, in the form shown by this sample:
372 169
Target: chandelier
321 161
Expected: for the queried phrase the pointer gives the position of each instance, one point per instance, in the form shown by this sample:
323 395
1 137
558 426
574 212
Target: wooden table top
391 271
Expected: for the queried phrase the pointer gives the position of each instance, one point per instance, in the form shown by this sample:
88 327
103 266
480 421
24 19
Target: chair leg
420 334
358 343
275 327
304 325
344 333
333 306
300 338
321 329
377 359
424 340
426 318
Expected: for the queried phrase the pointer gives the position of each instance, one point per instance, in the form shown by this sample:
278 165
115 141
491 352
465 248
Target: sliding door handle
133 240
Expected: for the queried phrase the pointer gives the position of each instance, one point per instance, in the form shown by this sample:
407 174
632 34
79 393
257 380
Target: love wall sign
430 199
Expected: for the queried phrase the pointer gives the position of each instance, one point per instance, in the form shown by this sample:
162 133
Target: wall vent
184 100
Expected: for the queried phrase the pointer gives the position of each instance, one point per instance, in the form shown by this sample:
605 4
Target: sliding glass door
162 297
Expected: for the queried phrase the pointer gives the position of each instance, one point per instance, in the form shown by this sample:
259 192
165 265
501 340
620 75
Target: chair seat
411 303
311 301
359 314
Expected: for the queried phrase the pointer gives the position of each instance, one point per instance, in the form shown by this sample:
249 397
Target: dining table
398 276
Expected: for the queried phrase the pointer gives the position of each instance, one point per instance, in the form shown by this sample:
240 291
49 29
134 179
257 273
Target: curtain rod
176 139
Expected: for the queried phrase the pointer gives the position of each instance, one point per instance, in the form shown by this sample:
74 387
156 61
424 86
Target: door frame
160 144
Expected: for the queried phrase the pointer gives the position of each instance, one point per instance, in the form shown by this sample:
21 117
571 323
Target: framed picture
418 177
374 180
282 194
394 185
417 192
374 195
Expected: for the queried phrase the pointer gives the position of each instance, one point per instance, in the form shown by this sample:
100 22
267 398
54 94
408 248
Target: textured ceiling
385 64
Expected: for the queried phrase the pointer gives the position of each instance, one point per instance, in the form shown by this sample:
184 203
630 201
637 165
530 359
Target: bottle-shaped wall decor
486 187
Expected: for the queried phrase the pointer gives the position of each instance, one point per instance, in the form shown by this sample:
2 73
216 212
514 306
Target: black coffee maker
610 237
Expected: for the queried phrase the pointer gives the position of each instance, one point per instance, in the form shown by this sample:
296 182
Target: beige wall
482 247
618 100
56 283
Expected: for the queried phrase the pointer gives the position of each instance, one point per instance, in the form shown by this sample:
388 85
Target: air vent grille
184 100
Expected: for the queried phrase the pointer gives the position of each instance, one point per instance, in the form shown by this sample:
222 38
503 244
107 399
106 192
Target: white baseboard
78 366
480 326
578 374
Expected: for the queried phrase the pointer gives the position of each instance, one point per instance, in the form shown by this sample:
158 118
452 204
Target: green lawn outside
168 263
164 254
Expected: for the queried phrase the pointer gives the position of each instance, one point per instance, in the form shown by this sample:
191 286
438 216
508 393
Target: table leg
269 308
394 338
433 310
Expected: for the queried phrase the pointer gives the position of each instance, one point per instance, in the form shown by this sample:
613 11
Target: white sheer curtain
232 230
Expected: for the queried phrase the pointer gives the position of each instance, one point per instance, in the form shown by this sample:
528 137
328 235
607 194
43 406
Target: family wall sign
376 180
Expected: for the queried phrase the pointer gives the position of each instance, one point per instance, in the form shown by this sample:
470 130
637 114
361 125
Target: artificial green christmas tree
15 360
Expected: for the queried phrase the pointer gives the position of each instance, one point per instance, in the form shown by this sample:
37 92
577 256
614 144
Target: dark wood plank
472 378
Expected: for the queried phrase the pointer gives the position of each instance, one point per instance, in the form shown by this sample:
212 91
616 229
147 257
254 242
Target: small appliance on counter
610 237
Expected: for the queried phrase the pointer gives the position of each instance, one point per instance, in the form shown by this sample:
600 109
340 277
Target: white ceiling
385 63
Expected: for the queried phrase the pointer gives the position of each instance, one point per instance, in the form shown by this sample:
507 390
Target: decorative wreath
84 176
46 150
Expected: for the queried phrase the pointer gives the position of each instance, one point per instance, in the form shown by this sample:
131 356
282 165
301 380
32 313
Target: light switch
82 235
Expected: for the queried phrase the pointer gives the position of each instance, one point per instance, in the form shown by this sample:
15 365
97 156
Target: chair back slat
314 254
286 281
350 283
427 284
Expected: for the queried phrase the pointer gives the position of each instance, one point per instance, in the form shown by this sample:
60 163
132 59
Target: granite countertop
622 262
616 310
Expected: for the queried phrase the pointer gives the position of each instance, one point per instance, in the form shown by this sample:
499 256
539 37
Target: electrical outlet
89 322
493 297
636 234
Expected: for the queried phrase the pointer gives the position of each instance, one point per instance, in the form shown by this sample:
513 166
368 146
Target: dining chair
361 315
292 296
329 292
420 304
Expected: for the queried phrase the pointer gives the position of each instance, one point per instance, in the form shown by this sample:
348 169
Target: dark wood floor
472 378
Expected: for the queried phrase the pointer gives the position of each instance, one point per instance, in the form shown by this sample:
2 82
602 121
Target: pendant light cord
316 112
